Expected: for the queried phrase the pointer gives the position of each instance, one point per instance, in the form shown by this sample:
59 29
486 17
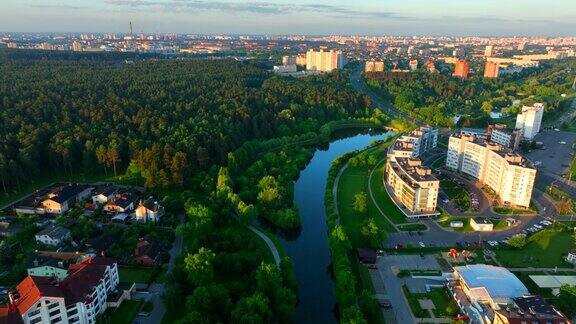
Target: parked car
422 244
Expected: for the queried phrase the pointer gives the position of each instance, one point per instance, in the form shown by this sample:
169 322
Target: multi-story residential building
374 66
491 69
529 309
288 60
324 61
489 51
409 182
508 174
412 184
413 65
53 235
501 134
79 298
530 119
461 69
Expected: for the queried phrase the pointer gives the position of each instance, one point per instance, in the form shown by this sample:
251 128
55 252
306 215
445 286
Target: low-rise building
102 195
122 202
529 309
508 174
481 224
149 211
53 235
53 264
56 199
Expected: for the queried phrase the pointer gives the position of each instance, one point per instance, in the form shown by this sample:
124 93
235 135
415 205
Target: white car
422 244
538 226
562 142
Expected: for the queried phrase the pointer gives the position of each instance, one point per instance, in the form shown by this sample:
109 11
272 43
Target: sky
318 17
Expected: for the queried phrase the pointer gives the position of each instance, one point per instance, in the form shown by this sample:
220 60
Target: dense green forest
437 97
164 121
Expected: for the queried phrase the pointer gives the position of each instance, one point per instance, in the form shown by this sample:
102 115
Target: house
53 264
529 309
149 211
7 227
571 257
481 224
54 235
147 253
60 199
122 202
79 298
102 195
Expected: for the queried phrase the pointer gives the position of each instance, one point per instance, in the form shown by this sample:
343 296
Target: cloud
57 6
254 7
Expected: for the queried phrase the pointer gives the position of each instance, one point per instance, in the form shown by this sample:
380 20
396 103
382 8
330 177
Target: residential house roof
146 248
55 232
67 192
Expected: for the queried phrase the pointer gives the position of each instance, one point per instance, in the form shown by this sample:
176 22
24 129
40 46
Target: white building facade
530 120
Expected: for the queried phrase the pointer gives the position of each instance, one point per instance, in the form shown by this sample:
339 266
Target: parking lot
557 153
414 262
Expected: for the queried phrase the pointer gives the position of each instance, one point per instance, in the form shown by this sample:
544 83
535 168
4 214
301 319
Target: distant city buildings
491 69
430 66
410 183
507 174
324 61
530 120
374 66
461 69
489 51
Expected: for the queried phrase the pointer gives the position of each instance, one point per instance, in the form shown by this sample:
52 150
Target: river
309 250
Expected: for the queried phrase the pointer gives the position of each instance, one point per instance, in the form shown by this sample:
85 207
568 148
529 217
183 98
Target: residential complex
411 184
530 119
79 298
508 174
491 69
324 61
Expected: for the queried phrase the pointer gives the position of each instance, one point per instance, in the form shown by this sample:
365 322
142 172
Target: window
54 312
56 320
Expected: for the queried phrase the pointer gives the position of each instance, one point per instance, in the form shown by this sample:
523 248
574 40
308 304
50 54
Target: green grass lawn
439 163
414 304
444 304
353 181
546 249
126 312
445 222
135 274
382 198
507 211
456 193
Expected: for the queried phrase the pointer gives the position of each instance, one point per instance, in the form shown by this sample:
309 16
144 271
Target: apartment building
409 182
491 69
374 66
412 184
530 120
501 134
508 174
79 298
461 69
324 61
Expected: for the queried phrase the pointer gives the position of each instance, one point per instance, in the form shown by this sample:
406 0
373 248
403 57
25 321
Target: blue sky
399 17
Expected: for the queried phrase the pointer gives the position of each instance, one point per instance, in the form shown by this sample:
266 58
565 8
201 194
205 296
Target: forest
165 122
437 97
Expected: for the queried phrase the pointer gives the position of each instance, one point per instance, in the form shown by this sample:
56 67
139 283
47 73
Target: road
156 290
394 291
270 244
359 85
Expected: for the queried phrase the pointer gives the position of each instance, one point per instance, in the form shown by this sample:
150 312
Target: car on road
384 304
562 142
422 244
538 226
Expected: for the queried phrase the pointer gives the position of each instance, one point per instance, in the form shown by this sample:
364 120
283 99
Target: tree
565 207
253 309
371 232
359 204
269 190
113 156
199 266
517 241
102 156
487 107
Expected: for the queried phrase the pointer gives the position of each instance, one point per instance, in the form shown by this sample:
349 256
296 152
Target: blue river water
309 250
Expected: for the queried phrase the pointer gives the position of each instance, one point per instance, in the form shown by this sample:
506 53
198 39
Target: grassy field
439 163
413 227
546 249
126 312
136 274
445 222
456 193
382 198
353 181
414 304
444 305
513 211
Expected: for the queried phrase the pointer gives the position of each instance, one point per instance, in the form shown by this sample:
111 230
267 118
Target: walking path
374 199
270 244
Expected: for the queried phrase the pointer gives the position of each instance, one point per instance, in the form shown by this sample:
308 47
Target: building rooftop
482 220
498 281
415 170
56 232
529 309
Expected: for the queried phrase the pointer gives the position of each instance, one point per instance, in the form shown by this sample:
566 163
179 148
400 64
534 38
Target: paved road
359 85
269 242
394 291
156 290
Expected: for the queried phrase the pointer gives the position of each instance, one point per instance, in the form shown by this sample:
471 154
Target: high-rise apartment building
301 60
489 51
508 174
501 134
324 61
461 69
530 119
288 60
409 182
374 66
491 69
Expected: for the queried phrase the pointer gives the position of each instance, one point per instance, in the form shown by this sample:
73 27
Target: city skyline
281 17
